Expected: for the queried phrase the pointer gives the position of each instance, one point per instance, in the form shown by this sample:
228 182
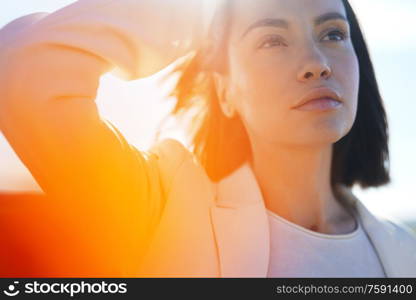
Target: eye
339 35
271 41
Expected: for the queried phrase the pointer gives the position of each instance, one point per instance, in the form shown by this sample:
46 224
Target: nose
316 67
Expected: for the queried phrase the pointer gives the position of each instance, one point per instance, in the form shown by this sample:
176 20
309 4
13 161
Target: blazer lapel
242 230
241 226
381 239
396 256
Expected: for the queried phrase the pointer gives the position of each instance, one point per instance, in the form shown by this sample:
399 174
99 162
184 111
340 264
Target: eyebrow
270 22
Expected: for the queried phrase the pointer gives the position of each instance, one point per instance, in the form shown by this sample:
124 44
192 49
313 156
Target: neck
295 183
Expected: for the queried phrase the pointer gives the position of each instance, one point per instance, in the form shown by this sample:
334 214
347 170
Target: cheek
259 91
347 76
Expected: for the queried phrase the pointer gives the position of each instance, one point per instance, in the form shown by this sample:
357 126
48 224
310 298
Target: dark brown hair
221 144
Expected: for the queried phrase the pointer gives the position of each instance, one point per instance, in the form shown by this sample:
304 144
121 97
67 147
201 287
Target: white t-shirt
299 252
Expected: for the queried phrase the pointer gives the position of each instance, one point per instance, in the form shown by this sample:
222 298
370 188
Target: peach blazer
227 233
50 65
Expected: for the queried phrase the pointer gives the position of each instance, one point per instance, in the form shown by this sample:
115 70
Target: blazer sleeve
105 197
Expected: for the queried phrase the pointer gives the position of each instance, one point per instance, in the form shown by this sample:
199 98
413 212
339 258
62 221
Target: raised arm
105 195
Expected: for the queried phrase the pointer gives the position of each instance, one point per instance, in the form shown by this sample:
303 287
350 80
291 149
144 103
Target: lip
319 93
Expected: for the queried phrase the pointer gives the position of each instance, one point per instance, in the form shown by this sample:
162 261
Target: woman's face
272 66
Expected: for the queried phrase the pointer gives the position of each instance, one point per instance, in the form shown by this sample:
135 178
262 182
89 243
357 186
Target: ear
222 89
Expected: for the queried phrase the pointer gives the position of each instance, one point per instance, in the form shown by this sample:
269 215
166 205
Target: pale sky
135 108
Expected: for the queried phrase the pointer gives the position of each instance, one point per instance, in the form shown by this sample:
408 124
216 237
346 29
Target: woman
266 190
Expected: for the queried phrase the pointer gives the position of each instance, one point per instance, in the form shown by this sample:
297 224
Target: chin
326 135
329 136
332 128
